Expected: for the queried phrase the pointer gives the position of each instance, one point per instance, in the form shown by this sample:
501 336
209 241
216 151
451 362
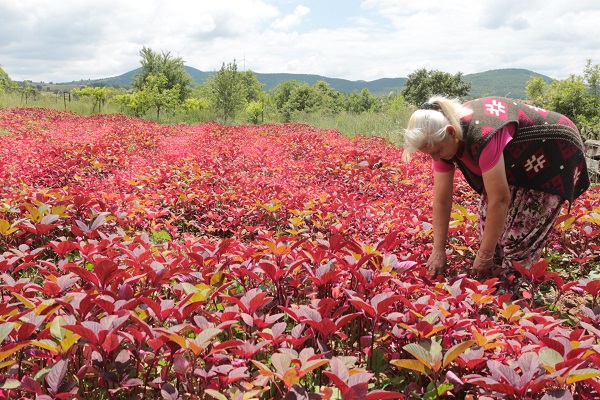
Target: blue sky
61 41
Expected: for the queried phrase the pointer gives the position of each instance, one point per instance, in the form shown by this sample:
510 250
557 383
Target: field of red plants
140 260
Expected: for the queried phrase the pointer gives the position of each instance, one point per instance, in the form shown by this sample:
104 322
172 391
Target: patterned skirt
531 216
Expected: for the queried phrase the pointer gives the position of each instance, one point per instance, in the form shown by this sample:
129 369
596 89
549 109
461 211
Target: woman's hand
484 268
436 265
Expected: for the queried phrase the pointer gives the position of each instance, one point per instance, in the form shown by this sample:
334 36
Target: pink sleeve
492 151
442 166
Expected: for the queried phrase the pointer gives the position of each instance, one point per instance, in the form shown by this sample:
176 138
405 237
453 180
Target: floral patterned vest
546 153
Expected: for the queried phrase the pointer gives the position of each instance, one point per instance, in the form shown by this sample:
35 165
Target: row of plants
140 260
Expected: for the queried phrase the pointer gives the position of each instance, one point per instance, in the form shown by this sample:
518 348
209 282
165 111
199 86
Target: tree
537 91
568 97
252 86
300 99
591 76
227 91
5 80
364 101
326 99
577 97
422 84
159 95
292 96
254 109
98 95
7 84
154 64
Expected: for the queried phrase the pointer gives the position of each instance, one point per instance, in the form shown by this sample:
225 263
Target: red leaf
357 392
84 332
111 343
340 384
31 385
382 394
86 275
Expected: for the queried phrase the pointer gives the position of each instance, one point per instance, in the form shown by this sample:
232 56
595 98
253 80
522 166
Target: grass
384 124
387 125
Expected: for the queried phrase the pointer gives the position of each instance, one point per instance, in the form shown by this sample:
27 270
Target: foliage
141 260
156 95
172 68
422 84
5 80
291 97
228 91
577 97
253 89
364 101
98 95
255 110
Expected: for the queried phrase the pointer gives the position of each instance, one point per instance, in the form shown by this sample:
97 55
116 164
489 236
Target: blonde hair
427 127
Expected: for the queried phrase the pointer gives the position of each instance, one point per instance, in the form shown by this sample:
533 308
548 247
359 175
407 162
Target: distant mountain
500 82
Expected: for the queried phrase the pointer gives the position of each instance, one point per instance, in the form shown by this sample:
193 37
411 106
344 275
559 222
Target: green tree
154 64
591 76
5 80
252 86
154 94
159 95
254 109
300 99
292 96
282 92
577 97
98 95
325 99
568 97
227 91
136 103
422 84
536 90
363 101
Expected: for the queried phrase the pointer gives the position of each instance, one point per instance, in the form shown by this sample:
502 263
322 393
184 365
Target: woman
524 162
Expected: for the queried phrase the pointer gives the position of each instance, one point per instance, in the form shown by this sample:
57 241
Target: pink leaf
56 375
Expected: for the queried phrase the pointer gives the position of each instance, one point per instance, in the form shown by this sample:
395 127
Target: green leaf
550 358
213 393
420 353
444 387
378 361
10 384
5 330
56 328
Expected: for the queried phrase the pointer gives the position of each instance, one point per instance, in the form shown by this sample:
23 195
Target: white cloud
291 20
76 39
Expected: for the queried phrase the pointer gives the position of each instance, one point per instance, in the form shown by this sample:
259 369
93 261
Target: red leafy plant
140 260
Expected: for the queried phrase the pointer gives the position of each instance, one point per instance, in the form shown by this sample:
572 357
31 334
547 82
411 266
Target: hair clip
430 106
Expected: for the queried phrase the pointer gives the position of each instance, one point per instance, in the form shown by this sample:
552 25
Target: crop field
282 261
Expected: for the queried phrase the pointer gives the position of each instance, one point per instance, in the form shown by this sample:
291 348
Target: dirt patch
569 304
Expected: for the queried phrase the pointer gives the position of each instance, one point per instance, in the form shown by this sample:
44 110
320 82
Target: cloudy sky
61 41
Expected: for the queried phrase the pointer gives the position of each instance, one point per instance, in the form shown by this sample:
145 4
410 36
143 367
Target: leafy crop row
281 261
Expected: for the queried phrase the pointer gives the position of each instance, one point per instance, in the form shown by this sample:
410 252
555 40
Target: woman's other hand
484 268
436 265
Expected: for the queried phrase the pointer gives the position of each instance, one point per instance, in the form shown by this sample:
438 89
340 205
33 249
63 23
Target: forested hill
500 82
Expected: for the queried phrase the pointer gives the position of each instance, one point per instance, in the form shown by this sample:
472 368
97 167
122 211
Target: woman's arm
443 191
498 195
